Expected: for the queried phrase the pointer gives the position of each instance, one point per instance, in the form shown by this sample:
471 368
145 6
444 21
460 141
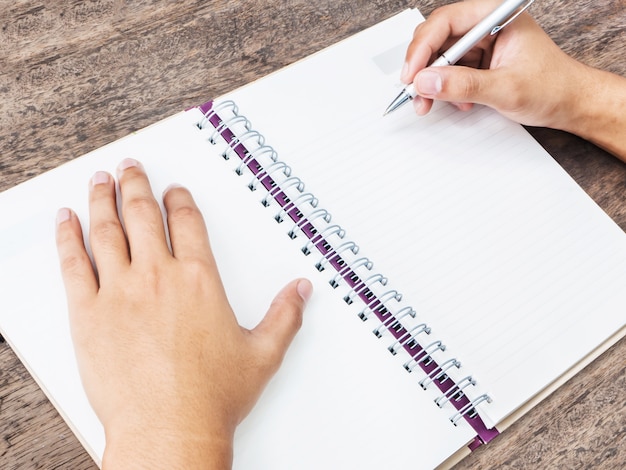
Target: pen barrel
482 29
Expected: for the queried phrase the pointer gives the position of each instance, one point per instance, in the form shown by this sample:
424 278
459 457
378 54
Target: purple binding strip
459 400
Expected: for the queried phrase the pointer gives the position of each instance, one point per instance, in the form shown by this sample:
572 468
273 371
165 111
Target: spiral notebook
460 274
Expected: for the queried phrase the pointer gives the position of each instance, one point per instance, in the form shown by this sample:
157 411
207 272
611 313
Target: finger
188 233
463 106
443 25
78 275
106 235
461 85
141 212
422 105
282 321
477 58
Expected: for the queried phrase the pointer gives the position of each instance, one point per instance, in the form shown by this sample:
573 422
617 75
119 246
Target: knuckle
197 272
104 232
183 212
71 263
515 103
154 282
470 87
73 268
141 205
438 13
294 315
441 15
516 100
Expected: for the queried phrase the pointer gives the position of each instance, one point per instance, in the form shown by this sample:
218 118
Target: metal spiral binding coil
349 270
288 183
268 172
424 354
349 245
365 262
229 124
469 409
408 337
375 278
241 140
379 304
296 204
323 236
455 392
215 110
394 321
439 373
316 214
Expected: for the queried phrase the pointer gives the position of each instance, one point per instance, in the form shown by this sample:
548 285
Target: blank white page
494 245
340 400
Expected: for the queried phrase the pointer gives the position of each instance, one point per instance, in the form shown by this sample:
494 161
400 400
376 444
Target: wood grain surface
75 75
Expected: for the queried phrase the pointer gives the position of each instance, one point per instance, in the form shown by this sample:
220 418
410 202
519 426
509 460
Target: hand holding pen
516 71
498 18
520 72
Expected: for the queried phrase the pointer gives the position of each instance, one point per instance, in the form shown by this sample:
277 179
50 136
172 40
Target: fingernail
63 215
128 163
405 71
170 187
100 177
305 289
429 83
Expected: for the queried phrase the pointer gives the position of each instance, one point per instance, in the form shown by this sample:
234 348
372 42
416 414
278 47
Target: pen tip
401 99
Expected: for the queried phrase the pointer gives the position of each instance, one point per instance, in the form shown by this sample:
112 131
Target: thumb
458 84
283 320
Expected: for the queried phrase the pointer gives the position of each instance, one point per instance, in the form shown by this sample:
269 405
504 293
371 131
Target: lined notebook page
486 236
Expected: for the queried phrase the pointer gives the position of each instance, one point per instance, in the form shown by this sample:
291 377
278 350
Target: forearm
599 113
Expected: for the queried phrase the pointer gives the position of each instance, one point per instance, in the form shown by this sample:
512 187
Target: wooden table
76 75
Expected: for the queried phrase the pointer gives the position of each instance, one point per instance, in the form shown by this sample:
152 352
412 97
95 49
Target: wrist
597 111
153 448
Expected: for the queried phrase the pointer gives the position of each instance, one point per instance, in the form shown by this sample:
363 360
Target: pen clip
507 22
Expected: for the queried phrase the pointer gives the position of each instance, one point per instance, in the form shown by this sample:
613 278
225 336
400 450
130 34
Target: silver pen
490 25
